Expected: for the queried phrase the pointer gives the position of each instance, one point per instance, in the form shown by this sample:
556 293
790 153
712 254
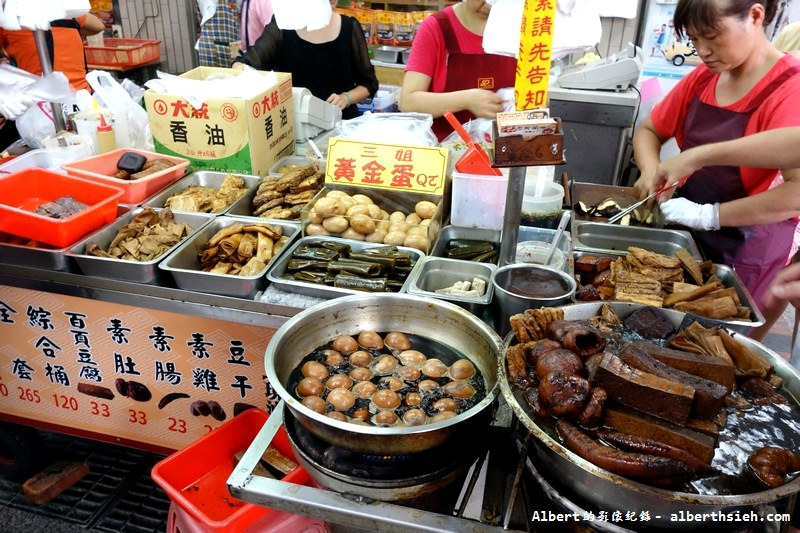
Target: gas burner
411 478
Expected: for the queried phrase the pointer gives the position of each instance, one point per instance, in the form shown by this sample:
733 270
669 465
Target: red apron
756 253
470 71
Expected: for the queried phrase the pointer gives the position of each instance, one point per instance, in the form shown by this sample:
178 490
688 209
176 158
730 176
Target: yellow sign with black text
393 167
535 54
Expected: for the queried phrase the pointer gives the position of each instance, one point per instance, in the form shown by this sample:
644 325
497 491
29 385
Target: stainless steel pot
612 492
434 319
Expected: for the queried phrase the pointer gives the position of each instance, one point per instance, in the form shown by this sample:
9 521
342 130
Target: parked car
679 53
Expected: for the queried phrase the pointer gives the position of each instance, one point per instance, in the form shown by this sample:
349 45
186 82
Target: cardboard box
227 134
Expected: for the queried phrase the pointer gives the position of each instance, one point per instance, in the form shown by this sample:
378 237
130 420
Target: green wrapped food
361 268
347 281
468 252
306 264
388 261
315 252
488 257
310 277
340 247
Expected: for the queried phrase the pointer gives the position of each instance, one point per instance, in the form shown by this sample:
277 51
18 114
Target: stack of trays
128 270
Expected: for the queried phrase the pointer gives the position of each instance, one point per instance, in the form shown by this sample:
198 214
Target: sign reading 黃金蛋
535 53
418 169
245 135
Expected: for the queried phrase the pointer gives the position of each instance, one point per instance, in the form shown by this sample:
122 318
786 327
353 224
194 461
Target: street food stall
413 375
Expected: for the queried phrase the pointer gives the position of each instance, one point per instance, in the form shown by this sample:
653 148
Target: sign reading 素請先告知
386 166
535 53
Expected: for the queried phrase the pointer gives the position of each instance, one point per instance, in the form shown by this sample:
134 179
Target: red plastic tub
125 53
195 478
101 169
23 192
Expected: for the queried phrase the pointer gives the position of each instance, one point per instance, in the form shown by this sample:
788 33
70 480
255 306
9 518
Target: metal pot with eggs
440 323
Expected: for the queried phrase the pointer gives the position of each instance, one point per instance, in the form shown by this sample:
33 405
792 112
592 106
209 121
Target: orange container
122 52
195 477
101 169
23 192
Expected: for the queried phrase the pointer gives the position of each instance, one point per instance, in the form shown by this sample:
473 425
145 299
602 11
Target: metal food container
525 233
605 490
388 54
202 178
278 269
729 278
594 193
439 272
439 321
615 239
187 271
121 269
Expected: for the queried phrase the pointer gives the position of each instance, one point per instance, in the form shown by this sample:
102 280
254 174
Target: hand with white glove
14 103
690 214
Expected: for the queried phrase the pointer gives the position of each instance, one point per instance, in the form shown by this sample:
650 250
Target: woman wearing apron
448 69
741 217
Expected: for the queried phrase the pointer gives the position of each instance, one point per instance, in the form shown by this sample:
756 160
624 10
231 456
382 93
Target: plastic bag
413 129
126 113
36 124
480 129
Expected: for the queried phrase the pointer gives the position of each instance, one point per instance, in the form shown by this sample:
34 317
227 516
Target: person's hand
238 66
646 184
340 100
785 287
483 103
674 169
14 104
690 214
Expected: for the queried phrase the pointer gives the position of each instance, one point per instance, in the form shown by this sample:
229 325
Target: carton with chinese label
229 134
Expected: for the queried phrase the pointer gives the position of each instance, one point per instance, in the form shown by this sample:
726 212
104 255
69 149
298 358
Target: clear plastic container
478 201
543 210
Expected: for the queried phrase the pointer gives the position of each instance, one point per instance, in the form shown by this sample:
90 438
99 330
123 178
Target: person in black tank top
334 66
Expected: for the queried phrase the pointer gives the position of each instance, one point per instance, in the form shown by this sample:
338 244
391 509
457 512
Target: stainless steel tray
278 269
185 267
615 239
202 178
525 233
729 278
136 271
594 193
439 272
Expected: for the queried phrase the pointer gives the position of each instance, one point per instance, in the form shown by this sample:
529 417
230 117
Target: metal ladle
562 224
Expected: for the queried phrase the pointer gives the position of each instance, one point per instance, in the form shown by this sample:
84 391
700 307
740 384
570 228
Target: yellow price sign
535 53
386 166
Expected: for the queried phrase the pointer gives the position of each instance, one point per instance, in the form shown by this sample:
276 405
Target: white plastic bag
413 129
127 114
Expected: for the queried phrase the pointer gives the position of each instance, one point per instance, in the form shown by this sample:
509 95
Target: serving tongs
649 197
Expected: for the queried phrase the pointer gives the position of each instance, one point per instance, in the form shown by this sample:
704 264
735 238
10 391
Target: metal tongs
665 188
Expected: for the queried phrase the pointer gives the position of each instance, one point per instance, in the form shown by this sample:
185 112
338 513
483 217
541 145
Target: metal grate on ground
113 472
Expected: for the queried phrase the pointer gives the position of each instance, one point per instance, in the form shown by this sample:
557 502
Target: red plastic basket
101 168
22 192
195 477
123 52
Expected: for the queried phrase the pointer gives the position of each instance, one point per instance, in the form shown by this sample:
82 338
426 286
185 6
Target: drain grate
110 470
142 508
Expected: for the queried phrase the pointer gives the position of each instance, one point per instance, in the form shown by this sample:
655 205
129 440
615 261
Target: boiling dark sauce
533 282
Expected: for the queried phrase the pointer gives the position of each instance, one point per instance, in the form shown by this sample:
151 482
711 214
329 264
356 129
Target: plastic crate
123 52
23 192
101 169
195 479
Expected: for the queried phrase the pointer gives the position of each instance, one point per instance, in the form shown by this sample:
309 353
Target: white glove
690 214
14 104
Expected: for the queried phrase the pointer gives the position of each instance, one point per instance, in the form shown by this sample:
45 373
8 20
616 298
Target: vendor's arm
769 149
92 25
262 54
647 151
415 97
366 82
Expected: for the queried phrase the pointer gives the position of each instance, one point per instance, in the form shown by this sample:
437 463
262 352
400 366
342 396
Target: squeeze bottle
106 140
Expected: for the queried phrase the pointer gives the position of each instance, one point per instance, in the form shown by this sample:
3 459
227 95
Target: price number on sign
137 417
100 409
177 424
29 395
65 402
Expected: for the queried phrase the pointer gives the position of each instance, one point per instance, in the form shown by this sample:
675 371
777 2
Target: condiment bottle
106 140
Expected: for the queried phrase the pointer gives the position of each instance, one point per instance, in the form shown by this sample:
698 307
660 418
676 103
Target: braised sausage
634 443
628 464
